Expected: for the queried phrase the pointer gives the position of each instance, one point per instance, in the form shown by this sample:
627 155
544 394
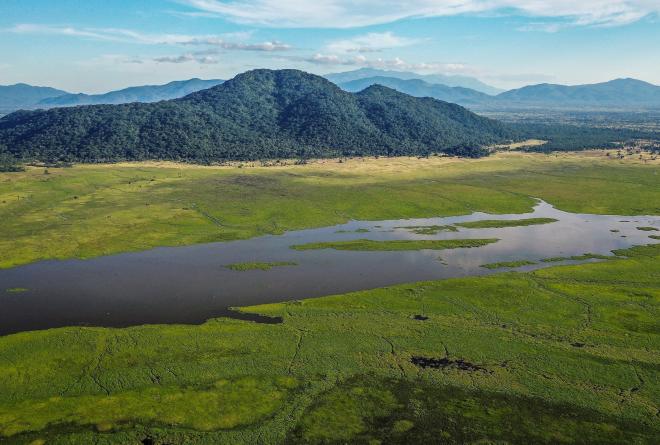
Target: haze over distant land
618 94
22 96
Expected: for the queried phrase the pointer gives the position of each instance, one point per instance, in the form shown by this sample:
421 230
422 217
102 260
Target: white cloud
369 43
355 13
128 36
360 61
184 58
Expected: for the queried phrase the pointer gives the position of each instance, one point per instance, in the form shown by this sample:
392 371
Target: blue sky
100 45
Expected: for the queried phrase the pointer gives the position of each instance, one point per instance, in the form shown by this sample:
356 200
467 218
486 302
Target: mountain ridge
141 93
626 93
421 88
257 114
448 80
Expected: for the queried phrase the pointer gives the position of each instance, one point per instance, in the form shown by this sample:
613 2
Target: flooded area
193 283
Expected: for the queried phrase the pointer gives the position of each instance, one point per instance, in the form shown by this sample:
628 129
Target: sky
94 46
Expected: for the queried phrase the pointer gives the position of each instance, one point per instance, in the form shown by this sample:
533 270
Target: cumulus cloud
222 41
356 13
369 43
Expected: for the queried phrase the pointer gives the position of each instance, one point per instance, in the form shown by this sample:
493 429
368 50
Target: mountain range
421 88
442 79
22 96
619 94
256 115
615 94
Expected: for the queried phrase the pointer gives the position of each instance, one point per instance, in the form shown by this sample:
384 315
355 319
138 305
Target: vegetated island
16 290
648 229
504 264
391 245
586 256
497 223
361 230
243 267
428 230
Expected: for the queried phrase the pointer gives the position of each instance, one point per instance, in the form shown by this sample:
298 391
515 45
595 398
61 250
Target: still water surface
190 284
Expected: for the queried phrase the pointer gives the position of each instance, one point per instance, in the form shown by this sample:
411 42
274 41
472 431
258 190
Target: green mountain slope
420 88
258 114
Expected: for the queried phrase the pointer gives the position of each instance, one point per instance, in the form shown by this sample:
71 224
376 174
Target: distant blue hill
146 93
619 93
21 95
450 81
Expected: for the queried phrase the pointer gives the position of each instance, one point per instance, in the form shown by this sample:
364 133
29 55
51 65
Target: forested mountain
420 88
21 95
145 93
619 93
451 81
258 114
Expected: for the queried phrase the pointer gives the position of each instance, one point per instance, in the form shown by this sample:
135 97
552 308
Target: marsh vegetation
548 356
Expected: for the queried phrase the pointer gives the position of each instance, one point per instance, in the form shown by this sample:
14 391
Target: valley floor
94 210
567 354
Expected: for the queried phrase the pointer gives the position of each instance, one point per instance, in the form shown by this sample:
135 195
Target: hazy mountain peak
448 80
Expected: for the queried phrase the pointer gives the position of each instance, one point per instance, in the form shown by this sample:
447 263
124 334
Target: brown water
190 284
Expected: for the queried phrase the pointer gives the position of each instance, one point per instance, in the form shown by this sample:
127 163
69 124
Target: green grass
86 211
562 354
654 236
503 264
496 223
648 229
390 245
428 230
583 257
16 290
259 266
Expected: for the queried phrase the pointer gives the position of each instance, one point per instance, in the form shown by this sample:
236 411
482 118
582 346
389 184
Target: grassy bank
550 356
92 210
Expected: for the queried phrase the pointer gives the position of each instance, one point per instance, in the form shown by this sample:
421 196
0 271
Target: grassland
648 229
92 210
551 356
243 267
560 355
497 223
391 245
503 264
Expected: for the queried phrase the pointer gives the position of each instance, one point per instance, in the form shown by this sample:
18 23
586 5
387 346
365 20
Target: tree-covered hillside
258 114
420 88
